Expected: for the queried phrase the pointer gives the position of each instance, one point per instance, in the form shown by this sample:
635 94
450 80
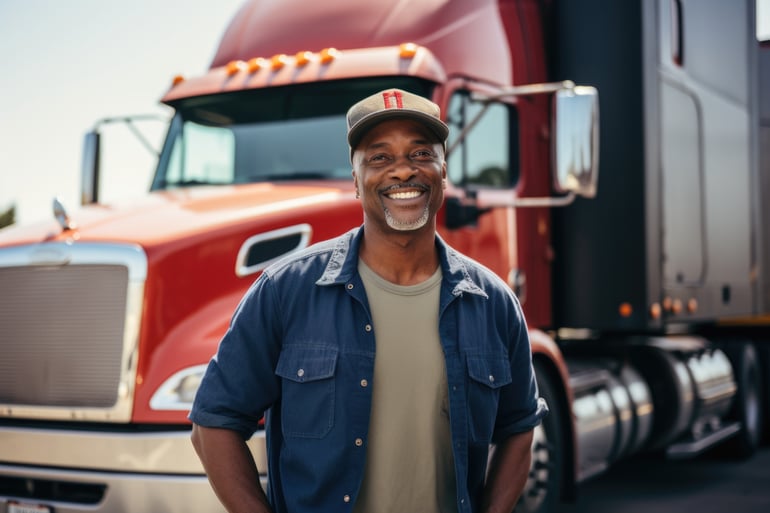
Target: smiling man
385 361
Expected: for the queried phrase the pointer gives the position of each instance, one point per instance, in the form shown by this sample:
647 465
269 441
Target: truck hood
168 215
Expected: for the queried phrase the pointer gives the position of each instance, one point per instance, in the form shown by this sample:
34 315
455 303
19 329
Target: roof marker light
407 50
178 79
255 64
303 58
328 55
234 67
278 61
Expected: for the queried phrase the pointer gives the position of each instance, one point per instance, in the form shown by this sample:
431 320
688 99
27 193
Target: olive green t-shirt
409 461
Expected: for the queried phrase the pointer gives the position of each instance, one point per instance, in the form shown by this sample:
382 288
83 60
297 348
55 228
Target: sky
65 64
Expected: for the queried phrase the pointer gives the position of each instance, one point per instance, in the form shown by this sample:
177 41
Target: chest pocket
486 375
307 388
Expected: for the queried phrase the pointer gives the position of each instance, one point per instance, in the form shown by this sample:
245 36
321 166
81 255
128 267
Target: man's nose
403 168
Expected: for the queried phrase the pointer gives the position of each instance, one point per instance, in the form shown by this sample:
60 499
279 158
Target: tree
8 217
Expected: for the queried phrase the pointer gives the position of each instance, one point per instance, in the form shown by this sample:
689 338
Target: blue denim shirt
300 349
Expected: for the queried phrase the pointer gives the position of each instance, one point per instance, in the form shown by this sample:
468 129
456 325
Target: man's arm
508 473
231 469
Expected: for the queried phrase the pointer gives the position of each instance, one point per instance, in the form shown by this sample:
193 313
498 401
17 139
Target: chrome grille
61 334
70 314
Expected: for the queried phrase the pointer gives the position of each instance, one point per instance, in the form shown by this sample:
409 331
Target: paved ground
705 485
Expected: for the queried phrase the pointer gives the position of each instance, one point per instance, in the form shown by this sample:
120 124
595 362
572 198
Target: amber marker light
655 311
234 67
676 306
328 55
303 58
692 305
255 64
178 79
625 310
278 61
407 50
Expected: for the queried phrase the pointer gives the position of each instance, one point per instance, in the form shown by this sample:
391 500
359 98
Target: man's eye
378 157
423 154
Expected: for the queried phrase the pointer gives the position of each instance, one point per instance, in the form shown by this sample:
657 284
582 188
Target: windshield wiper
297 175
188 183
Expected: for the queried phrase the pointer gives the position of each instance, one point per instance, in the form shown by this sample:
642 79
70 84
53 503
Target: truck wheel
542 491
748 401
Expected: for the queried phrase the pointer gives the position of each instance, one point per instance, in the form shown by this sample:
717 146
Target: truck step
692 447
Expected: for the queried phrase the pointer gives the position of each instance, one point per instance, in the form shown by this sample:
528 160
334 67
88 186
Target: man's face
399 171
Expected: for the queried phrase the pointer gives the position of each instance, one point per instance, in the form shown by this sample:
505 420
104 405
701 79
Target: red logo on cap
393 100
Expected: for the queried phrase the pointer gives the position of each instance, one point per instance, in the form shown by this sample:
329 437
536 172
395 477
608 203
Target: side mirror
575 129
89 169
460 213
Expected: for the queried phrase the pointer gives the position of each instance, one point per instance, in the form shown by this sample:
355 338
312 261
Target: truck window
487 156
266 135
202 155
763 20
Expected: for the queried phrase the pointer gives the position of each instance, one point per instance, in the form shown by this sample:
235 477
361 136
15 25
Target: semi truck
609 160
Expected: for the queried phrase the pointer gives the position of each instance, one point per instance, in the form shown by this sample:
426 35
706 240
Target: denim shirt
300 349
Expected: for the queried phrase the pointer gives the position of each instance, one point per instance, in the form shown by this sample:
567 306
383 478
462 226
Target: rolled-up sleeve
520 408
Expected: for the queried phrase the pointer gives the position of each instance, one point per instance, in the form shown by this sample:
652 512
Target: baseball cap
389 104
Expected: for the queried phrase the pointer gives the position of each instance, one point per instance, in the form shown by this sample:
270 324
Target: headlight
178 391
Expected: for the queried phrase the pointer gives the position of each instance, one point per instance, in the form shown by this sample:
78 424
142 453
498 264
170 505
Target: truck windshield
287 133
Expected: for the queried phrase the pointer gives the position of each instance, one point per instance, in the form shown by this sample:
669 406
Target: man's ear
355 182
443 174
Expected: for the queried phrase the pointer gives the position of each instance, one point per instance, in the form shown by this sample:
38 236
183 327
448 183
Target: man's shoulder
477 272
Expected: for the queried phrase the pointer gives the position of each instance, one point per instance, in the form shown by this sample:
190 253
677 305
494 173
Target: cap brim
435 125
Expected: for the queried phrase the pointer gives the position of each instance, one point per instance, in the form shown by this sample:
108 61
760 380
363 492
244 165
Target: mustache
398 186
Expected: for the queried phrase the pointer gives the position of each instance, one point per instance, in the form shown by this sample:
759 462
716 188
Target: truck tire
543 489
763 348
747 407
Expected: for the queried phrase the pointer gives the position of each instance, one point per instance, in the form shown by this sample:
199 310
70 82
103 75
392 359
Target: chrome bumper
77 471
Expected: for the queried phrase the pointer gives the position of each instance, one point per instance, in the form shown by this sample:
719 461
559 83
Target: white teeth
404 195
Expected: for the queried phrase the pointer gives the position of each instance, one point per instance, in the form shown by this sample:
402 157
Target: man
385 362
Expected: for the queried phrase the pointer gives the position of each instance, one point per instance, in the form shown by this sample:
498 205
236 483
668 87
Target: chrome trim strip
161 452
78 253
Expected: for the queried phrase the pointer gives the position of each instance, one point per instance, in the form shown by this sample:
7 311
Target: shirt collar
343 264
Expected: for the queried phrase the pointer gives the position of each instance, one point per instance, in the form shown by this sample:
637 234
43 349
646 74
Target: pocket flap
306 363
492 371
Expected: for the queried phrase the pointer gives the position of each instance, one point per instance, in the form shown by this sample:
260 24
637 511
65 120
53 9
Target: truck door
704 116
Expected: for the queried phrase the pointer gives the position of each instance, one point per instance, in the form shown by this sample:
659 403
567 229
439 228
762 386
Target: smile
405 191
404 195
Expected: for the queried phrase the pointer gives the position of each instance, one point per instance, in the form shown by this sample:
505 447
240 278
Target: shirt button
346 498
491 378
364 383
301 372
359 442
350 286
368 327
